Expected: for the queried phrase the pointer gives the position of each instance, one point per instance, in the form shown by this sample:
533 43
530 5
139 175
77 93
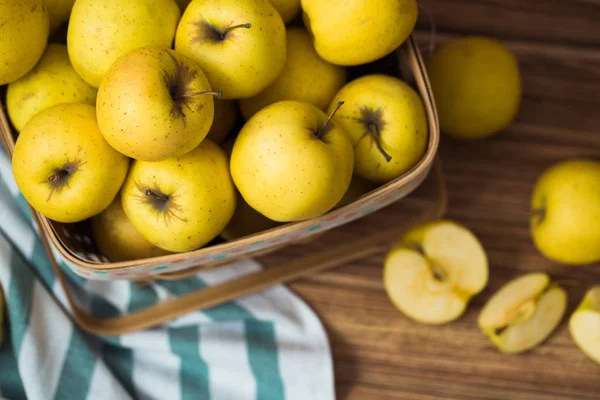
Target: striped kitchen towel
265 346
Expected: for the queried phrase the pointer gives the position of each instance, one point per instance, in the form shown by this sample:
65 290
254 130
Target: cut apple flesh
584 324
525 334
457 251
416 292
429 279
523 313
501 308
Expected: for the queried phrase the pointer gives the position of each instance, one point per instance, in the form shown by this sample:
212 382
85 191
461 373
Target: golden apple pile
132 123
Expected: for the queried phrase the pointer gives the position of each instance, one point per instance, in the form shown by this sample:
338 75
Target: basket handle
245 285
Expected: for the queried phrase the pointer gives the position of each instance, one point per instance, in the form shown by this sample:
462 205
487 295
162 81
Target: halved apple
523 313
584 324
433 272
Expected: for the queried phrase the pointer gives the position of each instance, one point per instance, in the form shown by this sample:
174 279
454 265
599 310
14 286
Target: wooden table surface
380 354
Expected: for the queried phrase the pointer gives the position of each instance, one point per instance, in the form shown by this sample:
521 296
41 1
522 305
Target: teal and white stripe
266 346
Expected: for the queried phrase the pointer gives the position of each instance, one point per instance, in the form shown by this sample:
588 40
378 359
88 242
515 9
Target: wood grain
379 353
568 22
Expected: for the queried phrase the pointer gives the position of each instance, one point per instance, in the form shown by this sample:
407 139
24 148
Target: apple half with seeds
523 313
584 324
433 272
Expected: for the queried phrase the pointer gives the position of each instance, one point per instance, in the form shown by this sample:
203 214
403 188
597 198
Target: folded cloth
265 346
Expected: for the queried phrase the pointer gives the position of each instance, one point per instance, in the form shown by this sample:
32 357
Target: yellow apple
523 313
240 44
226 113
564 209
353 32
64 167
288 9
433 272
117 239
52 81
23 37
305 77
290 163
584 324
102 31
246 220
181 203
58 12
477 87
387 124
358 187
154 104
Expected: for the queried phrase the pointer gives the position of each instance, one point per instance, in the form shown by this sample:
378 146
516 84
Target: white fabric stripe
155 368
7 175
193 318
304 356
162 293
5 254
14 227
44 347
228 272
305 364
103 385
267 308
60 295
223 348
116 293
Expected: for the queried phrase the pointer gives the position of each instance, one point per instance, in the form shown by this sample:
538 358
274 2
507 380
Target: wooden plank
570 22
379 353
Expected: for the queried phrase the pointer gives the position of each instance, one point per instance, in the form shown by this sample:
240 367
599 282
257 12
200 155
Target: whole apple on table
134 124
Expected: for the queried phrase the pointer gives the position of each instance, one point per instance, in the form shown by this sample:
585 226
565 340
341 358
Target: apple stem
157 195
224 33
321 131
374 131
539 214
216 94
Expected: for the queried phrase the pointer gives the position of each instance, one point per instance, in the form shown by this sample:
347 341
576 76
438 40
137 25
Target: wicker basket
73 245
